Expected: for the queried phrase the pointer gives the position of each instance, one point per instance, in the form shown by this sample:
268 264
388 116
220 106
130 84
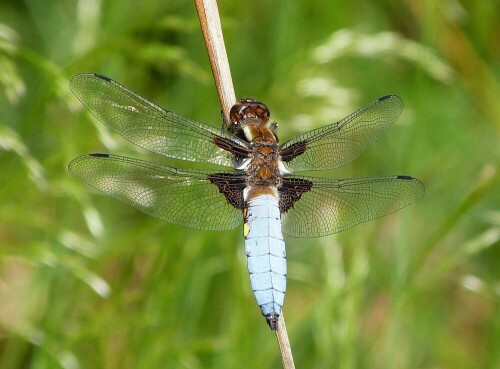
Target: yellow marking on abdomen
246 229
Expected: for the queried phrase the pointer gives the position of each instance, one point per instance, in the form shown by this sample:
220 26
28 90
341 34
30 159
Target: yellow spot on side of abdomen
246 229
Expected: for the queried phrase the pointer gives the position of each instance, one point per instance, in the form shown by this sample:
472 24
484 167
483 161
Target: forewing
150 126
339 143
192 198
327 206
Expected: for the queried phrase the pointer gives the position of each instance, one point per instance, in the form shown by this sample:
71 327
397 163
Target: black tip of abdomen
272 321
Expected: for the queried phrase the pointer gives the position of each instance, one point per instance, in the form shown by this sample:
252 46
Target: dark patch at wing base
238 151
231 186
293 151
291 191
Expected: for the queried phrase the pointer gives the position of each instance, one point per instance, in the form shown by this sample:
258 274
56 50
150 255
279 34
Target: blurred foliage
87 282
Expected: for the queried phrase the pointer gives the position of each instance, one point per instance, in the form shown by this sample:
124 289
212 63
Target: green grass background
88 282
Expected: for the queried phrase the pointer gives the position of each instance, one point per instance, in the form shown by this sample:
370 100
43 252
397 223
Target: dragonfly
253 178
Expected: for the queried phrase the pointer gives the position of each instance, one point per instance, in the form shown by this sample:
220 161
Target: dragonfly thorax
263 168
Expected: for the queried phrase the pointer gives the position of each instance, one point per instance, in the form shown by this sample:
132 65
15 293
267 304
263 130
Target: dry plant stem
208 14
284 344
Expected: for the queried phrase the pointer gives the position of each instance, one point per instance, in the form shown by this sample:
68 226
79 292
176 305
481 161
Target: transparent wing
327 206
190 198
339 143
148 125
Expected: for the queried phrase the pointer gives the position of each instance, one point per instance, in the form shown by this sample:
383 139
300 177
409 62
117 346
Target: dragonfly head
249 120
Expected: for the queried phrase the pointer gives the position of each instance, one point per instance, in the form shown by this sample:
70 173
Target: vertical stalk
208 15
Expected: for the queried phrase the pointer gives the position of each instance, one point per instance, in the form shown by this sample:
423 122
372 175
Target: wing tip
74 163
417 182
100 76
390 96
405 177
86 75
99 155
395 102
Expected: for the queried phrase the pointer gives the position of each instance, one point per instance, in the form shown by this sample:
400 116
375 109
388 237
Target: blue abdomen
265 249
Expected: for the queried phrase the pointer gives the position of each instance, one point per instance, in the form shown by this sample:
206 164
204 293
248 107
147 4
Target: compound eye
235 126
